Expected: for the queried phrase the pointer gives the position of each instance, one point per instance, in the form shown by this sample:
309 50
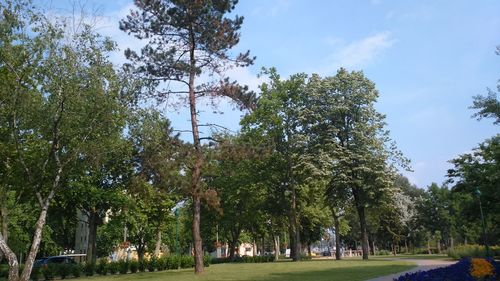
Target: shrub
35 274
383 253
76 270
113 267
49 271
161 263
102 266
152 264
206 261
142 265
63 270
123 266
173 262
474 251
186 261
134 266
89 268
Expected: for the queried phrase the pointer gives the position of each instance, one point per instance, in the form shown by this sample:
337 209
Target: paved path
421 265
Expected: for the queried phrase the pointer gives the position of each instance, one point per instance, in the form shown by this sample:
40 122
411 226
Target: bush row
475 251
104 267
244 259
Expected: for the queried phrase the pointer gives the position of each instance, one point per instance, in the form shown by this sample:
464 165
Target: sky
427 58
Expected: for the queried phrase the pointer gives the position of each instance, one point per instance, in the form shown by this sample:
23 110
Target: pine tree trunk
198 249
196 173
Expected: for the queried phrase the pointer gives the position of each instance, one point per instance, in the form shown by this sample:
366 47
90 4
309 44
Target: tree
475 175
347 126
158 159
61 97
186 39
488 106
277 117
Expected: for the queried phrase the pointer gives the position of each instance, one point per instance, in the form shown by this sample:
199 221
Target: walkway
422 265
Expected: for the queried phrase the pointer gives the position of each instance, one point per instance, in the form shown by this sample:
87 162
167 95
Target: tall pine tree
188 38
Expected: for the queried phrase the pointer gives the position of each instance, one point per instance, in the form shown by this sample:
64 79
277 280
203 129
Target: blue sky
427 58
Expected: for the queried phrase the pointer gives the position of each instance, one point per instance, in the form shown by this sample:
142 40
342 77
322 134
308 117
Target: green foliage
384 253
76 270
134 266
102 266
186 261
152 264
143 263
63 270
474 251
49 271
244 259
35 273
123 266
89 268
206 261
113 267
174 262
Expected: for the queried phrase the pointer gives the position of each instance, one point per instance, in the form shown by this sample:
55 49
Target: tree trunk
198 249
452 244
276 247
406 246
429 246
235 236
439 246
364 231
158 242
12 259
141 249
196 173
374 248
4 227
309 249
295 250
92 242
336 222
35 244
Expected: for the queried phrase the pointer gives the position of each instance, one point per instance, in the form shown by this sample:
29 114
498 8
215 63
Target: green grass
280 271
418 257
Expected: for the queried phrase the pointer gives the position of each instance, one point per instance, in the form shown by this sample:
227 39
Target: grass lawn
419 257
280 271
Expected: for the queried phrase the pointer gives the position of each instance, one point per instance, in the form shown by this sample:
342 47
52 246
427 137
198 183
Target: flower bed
467 269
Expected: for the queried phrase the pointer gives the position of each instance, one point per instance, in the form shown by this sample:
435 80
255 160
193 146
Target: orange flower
480 268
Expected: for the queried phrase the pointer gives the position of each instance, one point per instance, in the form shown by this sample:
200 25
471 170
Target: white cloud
360 53
355 54
273 8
